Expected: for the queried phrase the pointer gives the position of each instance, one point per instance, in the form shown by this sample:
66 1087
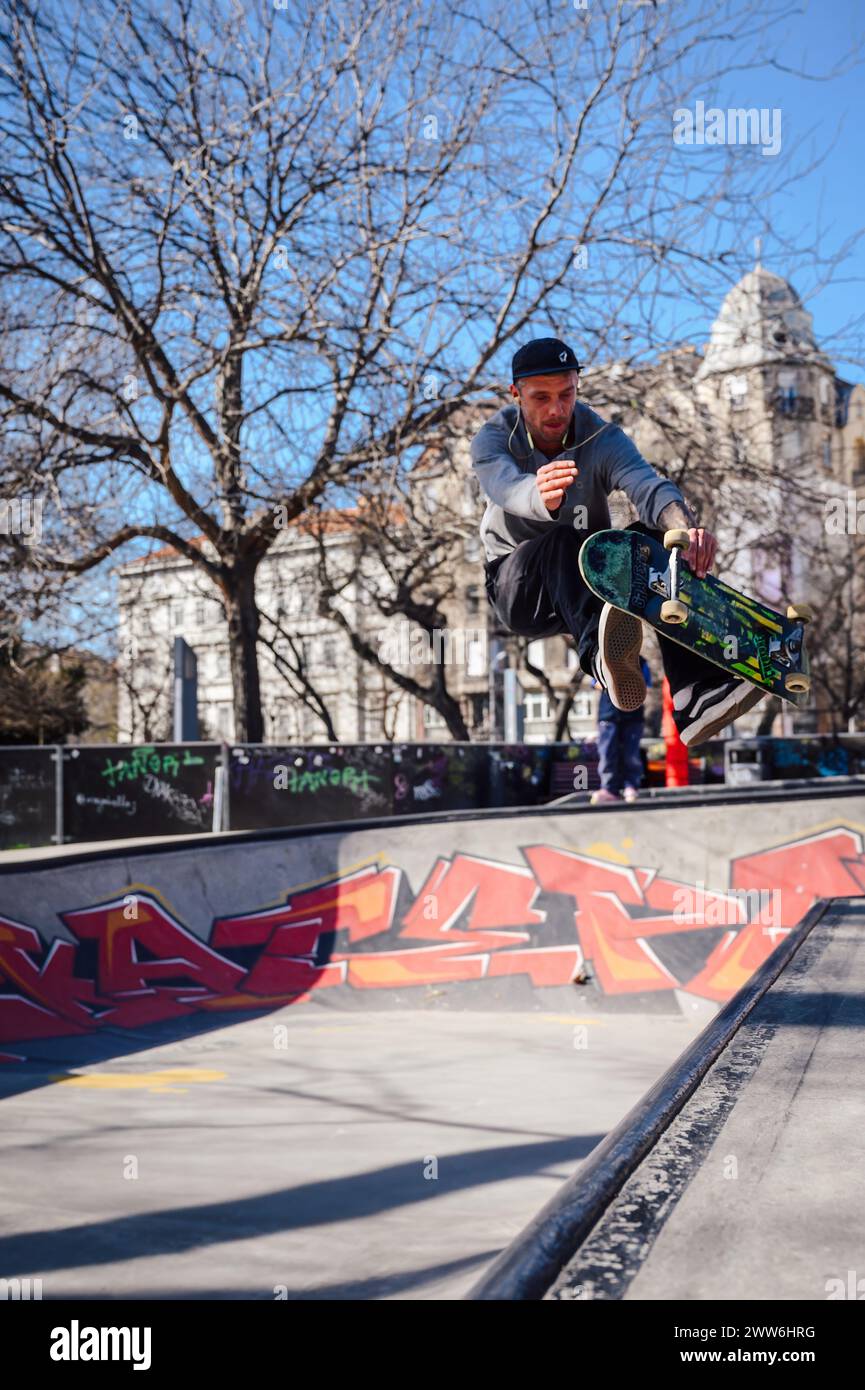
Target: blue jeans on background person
620 763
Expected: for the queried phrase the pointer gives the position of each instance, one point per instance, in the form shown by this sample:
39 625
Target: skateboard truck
673 610
799 683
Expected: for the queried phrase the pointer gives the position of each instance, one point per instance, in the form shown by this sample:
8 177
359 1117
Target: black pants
537 591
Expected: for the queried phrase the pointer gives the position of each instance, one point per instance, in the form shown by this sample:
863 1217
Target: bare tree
40 698
289 657
405 619
212 218
250 252
836 637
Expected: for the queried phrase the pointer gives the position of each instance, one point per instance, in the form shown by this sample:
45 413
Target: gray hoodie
505 464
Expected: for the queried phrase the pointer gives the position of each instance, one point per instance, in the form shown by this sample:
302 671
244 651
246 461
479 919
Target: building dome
761 321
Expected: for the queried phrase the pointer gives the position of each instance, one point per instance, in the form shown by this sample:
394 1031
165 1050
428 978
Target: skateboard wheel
676 539
674 611
799 684
801 611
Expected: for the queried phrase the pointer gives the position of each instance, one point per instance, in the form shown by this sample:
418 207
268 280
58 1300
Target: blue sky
815 217
828 206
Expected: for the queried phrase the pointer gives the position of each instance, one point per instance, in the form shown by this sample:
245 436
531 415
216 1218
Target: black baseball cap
542 357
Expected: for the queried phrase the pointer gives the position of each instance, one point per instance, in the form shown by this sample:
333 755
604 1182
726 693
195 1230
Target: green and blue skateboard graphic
741 635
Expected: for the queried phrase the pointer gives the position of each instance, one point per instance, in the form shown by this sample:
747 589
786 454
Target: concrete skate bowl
666 906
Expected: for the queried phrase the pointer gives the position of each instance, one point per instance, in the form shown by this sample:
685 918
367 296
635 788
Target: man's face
548 404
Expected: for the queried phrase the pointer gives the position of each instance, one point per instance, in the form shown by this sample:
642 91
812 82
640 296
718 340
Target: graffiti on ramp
559 917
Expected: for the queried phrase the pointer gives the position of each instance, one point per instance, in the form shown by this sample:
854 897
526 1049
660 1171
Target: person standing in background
620 762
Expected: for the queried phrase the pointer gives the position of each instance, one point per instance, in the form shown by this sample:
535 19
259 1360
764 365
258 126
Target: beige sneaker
617 664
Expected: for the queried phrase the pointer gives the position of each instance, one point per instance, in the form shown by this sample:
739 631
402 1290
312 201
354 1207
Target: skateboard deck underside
738 634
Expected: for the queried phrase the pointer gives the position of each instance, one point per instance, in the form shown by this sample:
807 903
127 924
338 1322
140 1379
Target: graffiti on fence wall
560 916
148 761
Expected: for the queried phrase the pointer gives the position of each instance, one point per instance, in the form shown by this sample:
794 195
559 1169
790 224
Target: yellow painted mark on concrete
159 1082
602 850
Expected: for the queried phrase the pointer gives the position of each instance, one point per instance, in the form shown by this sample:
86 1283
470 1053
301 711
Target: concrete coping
528 1267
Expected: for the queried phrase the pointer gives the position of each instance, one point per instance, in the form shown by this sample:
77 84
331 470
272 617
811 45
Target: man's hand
554 479
700 555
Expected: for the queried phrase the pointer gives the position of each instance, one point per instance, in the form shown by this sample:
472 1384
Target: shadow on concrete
382 1286
361 1195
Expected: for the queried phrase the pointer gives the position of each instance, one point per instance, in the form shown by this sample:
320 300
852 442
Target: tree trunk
242 615
449 709
771 710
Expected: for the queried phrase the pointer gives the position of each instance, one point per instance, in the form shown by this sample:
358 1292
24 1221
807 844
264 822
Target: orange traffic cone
677 770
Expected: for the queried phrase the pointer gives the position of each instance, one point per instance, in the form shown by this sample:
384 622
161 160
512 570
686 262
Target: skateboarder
547 464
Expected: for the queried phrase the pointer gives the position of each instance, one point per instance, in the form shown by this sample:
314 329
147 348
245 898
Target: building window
177 614
200 613
432 719
827 454
328 654
472 547
787 398
583 706
537 707
737 387
473 599
740 453
476 656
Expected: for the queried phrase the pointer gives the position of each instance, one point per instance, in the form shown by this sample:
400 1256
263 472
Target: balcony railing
792 407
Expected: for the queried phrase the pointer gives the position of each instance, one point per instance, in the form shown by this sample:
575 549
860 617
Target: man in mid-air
547 465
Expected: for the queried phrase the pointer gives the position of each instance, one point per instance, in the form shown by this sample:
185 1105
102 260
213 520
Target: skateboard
741 635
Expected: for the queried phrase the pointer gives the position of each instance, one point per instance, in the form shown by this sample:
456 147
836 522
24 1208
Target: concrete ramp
751 1146
351 1062
667 906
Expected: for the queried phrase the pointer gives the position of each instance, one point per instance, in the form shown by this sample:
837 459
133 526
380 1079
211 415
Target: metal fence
115 791
65 795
